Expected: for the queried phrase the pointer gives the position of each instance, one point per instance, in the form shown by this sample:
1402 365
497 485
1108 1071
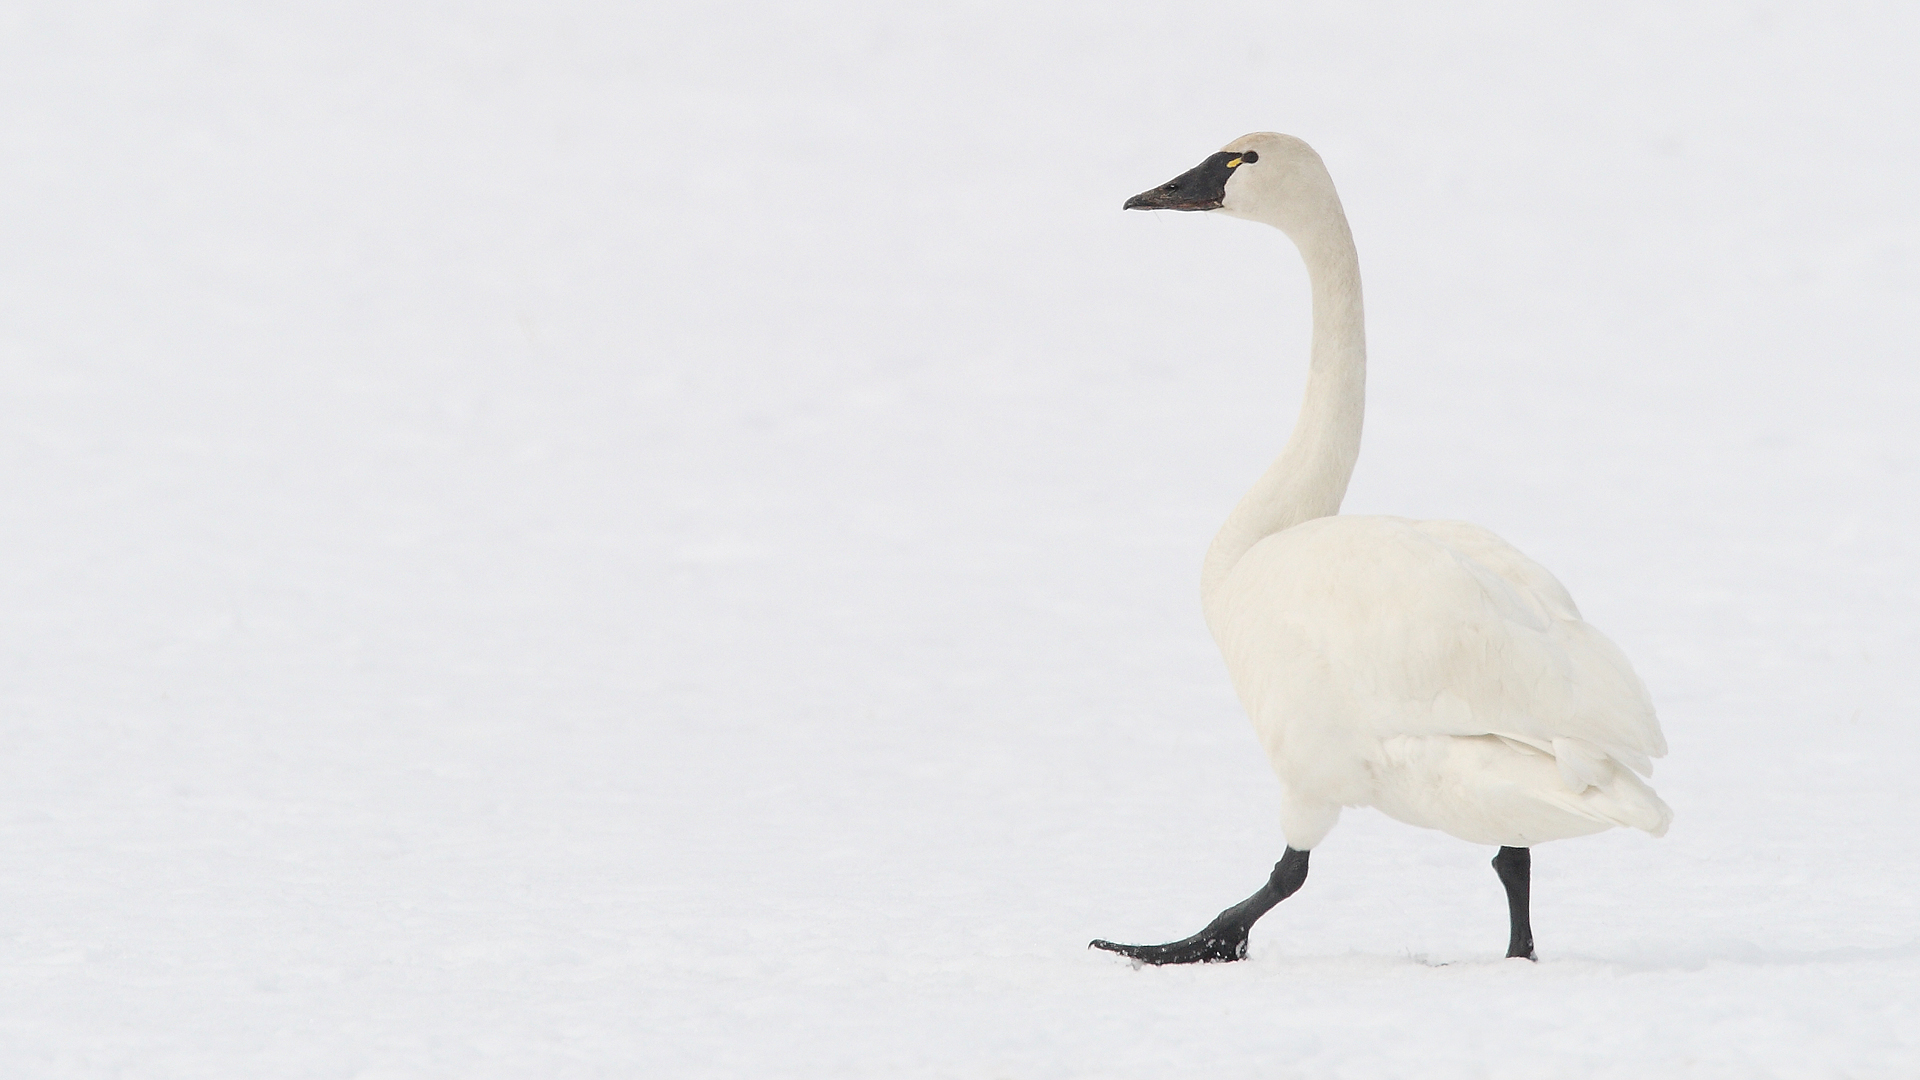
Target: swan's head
1265 176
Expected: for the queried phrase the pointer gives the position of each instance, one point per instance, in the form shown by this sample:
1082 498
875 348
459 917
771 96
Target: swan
1424 668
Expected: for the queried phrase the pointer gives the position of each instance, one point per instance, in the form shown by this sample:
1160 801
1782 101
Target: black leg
1225 938
1515 867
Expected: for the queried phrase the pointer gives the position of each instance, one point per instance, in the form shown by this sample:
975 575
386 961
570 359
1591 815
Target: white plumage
1425 668
1429 669
1422 667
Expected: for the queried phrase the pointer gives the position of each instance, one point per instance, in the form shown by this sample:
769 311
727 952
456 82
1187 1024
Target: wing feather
1434 628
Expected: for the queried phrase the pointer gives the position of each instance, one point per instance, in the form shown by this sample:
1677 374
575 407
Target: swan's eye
1173 187
1250 157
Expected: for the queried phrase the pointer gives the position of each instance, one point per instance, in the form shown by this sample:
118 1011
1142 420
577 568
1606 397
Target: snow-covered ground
593 539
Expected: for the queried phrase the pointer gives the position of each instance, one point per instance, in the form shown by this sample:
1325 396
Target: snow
589 539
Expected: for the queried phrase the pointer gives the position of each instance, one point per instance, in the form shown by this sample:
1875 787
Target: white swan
1425 668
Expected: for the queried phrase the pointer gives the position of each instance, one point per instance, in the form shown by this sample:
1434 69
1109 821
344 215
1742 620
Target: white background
596 539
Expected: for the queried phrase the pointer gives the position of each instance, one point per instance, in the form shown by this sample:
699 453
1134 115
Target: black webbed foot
1225 938
1217 944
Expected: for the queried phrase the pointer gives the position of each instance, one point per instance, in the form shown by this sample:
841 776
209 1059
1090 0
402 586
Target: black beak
1201 188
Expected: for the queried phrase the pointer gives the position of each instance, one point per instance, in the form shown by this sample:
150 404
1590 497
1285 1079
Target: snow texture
580 539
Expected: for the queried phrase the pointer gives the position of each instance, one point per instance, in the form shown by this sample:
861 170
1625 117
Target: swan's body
1428 669
1425 668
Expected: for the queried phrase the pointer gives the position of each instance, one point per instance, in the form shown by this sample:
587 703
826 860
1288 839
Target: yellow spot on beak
1234 164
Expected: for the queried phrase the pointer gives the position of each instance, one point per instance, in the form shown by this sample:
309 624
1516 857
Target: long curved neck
1310 477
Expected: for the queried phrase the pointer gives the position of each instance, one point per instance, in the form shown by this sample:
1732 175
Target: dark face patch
1203 187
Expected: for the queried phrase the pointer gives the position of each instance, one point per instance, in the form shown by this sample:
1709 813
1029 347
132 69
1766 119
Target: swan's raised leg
1225 938
1515 867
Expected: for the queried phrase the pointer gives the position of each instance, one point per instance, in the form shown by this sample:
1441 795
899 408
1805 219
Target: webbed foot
1225 938
1215 945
